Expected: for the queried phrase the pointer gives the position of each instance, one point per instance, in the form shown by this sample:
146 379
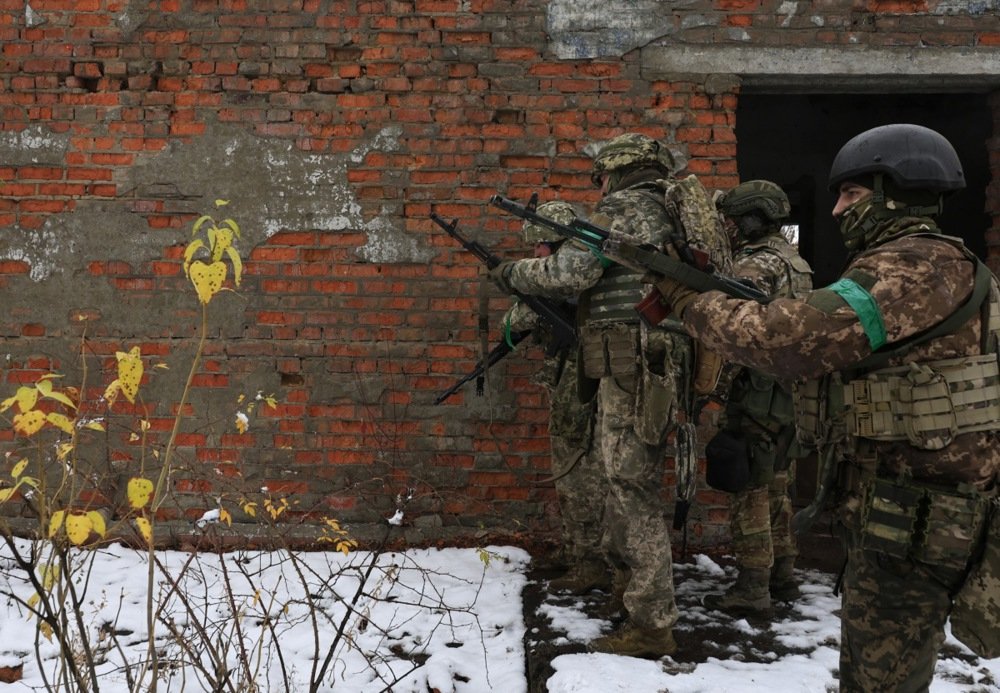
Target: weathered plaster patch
271 185
788 8
592 28
33 145
975 8
32 18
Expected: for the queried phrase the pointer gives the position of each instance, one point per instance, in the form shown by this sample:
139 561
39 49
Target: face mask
856 222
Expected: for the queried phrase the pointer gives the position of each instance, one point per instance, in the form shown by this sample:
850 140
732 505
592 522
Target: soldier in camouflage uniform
904 396
759 409
579 474
636 373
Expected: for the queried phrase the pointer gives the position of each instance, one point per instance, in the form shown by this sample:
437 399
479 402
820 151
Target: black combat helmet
912 156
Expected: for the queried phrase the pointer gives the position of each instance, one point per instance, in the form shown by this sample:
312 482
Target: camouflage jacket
575 268
917 282
773 265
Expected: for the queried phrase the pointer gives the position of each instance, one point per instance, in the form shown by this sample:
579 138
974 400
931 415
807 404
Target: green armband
506 334
863 303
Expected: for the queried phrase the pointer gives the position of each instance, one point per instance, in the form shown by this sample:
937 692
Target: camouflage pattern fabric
761 515
894 608
581 493
632 451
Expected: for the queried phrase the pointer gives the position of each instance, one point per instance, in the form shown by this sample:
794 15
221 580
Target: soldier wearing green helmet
638 376
752 456
577 469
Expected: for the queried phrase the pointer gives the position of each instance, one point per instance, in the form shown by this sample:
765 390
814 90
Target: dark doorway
792 139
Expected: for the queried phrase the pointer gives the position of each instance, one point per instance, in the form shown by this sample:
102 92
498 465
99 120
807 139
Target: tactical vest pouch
975 615
926 404
609 350
763 457
707 369
727 463
928 524
656 391
889 518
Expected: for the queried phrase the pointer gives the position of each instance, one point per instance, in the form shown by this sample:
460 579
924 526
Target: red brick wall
354 350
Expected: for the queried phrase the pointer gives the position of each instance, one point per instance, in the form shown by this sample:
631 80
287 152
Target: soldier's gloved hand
675 295
501 276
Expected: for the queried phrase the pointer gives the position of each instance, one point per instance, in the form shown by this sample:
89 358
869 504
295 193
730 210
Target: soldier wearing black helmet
752 456
902 398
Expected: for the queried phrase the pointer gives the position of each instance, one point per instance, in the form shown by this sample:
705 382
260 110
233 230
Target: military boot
632 641
582 578
783 586
749 594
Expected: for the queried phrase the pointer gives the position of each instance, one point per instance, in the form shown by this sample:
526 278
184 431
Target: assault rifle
496 353
557 319
694 269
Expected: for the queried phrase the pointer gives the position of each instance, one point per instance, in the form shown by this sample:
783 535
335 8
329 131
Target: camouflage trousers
636 534
582 491
892 621
760 522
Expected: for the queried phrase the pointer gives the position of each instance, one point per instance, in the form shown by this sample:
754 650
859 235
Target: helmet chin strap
881 209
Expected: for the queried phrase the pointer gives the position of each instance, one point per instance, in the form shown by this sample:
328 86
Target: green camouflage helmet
760 195
555 210
631 149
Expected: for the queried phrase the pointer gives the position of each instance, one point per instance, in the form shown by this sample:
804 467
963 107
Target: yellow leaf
221 203
7 403
112 390
63 423
50 576
97 522
144 425
224 516
61 398
94 425
192 248
201 220
133 437
33 600
250 509
145 529
19 468
237 261
26 397
207 279
63 450
130 372
271 402
46 630
56 522
29 423
6 494
139 492
78 528
233 225
221 242
44 387
241 422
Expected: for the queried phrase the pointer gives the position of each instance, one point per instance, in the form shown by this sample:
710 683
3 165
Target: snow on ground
444 620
